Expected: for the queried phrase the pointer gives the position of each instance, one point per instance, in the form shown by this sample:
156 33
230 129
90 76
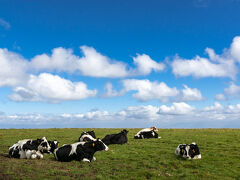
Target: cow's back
63 153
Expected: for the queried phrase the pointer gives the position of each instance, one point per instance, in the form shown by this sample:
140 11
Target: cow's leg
29 154
85 160
93 159
22 154
39 155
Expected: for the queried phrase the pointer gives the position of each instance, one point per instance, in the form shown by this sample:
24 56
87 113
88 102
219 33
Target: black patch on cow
92 133
63 153
31 145
183 149
14 152
194 150
120 138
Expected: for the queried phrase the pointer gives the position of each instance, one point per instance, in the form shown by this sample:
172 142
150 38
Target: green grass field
138 159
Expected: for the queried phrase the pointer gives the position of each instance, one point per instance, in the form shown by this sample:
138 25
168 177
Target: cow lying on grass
147 133
87 136
80 151
29 149
120 138
189 151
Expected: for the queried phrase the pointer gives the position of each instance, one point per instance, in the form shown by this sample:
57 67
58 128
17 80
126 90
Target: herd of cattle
88 144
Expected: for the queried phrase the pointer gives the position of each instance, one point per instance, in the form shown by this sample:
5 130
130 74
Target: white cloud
216 107
188 94
61 60
4 24
52 88
177 115
233 91
109 91
202 67
93 64
220 97
235 48
176 108
147 90
223 65
13 68
145 65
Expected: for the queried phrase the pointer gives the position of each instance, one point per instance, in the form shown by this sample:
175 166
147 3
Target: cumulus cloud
4 24
145 65
93 64
235 48
176 108
177 115
109 91
147 90
223 65
189 94
233 91
51 88
13 68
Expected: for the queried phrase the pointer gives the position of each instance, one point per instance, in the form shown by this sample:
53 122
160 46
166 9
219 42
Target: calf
147 133
120 138
29 149
188 151
80 151
87 136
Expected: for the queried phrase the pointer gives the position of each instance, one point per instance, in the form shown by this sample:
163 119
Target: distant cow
80 151
147 133
29 149
120 138
189 151
87 136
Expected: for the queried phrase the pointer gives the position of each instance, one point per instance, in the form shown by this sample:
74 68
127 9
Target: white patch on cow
85 160
74 147
94 159
88 136
187 150
197 156
39 155
54 152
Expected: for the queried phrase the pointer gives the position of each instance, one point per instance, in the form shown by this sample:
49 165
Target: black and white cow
87 136
29 149
80 151
120 138
147 133
189 151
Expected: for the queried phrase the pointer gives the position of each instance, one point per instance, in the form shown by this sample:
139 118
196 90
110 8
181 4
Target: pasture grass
138 159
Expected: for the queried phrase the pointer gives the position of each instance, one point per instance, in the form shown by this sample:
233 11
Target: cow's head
43 145
53 145
98 145
92 133
154 128
124 131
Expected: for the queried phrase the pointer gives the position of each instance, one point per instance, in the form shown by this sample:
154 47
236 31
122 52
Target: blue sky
173 64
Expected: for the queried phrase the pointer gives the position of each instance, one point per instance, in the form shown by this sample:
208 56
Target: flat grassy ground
138 159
